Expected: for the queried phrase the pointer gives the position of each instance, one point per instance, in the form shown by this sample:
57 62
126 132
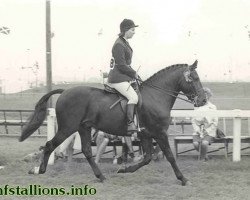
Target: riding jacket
122 54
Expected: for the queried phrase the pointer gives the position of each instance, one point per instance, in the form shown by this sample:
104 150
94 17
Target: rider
121 72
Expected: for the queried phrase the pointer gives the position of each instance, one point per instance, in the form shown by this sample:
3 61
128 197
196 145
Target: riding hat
125 25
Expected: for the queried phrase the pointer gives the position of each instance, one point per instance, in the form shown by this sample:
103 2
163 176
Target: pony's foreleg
147 149
85 133
47 150
163 142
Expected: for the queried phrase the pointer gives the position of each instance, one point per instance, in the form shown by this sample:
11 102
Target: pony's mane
164 70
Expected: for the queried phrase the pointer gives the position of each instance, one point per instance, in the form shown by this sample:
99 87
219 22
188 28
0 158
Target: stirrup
140 129
131 127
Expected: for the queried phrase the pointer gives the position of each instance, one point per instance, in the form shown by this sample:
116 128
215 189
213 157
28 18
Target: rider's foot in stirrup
132 127
140 129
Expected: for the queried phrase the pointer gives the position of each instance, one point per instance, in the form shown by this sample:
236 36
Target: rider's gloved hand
138 78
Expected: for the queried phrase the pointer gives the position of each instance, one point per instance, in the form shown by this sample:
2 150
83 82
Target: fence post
224 125
51 131
236 139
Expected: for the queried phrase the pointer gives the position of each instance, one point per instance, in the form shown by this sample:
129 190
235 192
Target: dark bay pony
80 108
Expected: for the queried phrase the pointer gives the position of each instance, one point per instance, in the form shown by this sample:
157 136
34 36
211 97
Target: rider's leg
130 118
127 90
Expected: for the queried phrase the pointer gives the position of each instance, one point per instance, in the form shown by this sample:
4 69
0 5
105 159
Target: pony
81 108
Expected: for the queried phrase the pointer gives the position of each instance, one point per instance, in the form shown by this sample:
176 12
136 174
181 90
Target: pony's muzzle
199 103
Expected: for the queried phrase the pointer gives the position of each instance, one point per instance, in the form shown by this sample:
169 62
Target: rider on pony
121 74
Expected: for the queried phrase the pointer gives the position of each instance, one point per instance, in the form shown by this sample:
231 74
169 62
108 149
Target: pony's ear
194 65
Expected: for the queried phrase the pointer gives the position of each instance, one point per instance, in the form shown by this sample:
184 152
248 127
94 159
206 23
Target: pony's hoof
188 183
35 170
102 179
31 171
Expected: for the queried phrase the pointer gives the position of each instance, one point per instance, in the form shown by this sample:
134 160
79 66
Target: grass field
217 179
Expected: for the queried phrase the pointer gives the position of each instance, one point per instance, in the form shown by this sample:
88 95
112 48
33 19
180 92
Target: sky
215 32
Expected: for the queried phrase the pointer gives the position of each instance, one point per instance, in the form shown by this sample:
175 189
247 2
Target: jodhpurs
126 90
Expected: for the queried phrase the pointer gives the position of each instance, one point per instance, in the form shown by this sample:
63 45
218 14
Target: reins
167 92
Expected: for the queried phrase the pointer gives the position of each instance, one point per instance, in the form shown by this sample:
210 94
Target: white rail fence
237 115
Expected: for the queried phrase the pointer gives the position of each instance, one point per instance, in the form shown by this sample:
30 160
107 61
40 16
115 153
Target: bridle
176 94
169 92
189 79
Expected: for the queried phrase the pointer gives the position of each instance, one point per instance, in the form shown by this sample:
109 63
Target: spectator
204 127
66 149
102 140
157 153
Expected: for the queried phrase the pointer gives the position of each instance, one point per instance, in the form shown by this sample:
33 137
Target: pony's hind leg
49 147
85 133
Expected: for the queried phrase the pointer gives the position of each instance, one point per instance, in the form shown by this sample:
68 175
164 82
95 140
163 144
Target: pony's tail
37 117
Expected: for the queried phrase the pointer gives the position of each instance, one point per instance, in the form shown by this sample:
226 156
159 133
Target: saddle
123 100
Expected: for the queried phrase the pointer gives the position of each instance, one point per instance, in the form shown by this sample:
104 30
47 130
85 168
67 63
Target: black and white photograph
125 99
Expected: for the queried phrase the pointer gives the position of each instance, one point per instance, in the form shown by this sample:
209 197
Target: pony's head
191 85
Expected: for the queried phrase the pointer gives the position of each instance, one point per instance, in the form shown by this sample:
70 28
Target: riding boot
130 119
